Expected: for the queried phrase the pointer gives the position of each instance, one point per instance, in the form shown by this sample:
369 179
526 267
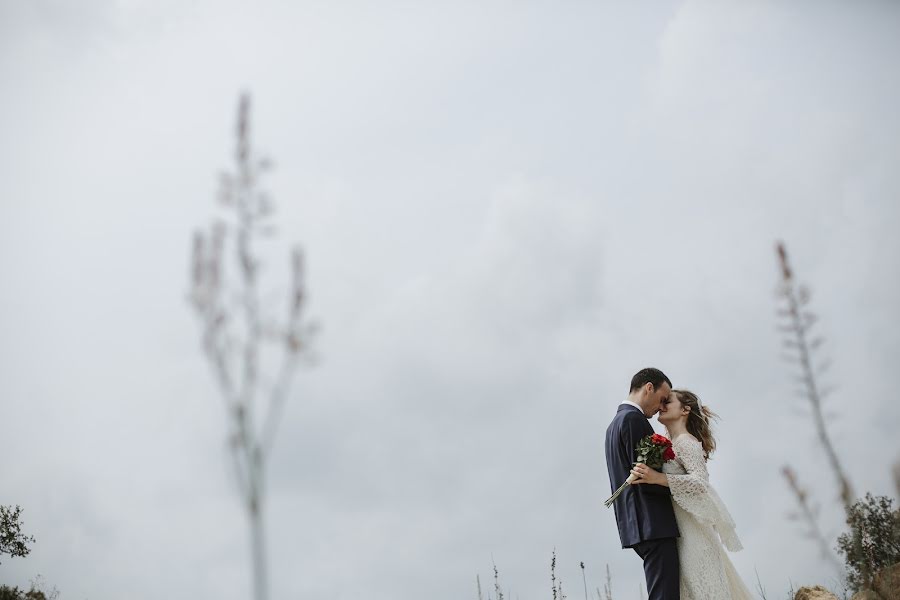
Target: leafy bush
873 542
12 540
38 591
14 593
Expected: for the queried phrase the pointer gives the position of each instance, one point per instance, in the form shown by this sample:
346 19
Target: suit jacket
643 512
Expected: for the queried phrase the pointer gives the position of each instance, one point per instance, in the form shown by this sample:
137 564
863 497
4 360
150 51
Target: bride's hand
645 474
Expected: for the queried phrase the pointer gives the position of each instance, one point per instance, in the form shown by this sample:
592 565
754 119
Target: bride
703 521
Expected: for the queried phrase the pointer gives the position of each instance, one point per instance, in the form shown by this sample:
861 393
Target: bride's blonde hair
699 420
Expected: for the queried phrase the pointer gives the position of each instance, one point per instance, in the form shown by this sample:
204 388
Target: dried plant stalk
798 324
236 328
607 587
809 514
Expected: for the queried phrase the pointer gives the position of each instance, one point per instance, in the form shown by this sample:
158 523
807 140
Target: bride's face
670 408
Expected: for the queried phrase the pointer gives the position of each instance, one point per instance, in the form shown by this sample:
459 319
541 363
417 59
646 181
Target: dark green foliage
873 542
10 593
12 540
14 593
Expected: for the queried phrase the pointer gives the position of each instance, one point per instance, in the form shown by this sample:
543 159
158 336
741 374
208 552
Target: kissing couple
673 519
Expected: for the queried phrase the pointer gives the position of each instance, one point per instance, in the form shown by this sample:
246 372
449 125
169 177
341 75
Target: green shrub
873 542
10 593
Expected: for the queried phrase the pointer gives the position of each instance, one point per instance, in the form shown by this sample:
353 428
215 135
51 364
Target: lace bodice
691 490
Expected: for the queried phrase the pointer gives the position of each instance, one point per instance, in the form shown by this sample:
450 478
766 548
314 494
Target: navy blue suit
644 512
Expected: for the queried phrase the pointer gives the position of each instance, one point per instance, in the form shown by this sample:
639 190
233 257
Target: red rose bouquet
653 451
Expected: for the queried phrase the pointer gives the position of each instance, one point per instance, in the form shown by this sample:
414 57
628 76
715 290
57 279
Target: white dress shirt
634 404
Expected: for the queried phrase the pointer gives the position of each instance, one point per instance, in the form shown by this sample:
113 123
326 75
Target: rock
815 593
887 583
887 587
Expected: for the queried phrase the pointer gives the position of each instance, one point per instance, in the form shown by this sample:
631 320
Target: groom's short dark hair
648 375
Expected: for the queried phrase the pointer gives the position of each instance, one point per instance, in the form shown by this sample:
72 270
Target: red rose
660 440
669 454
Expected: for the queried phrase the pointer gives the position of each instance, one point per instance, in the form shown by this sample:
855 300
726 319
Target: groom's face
658 395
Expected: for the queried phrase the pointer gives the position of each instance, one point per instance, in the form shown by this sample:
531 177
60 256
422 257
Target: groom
644 513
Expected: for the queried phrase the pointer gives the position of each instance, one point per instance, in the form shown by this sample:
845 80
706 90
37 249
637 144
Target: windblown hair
699 420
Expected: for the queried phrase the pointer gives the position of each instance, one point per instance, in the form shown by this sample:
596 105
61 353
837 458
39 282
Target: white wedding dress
706 528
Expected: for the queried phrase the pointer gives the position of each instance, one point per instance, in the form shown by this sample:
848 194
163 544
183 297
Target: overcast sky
508 208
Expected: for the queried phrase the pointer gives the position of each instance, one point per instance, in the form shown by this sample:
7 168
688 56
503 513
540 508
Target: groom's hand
645 474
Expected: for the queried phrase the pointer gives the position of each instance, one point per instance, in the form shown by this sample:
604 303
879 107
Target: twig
759 586
897 477
583 578
553 575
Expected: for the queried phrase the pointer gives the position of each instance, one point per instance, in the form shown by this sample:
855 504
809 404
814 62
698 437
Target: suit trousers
661 568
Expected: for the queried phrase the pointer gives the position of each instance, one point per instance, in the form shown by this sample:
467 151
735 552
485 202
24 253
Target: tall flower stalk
237 327
802 345
797 325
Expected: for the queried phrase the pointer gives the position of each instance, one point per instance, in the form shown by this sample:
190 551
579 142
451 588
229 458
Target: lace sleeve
695 495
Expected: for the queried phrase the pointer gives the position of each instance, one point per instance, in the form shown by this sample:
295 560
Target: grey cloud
506 210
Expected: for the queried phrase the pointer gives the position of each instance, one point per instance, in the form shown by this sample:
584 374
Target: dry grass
556 588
